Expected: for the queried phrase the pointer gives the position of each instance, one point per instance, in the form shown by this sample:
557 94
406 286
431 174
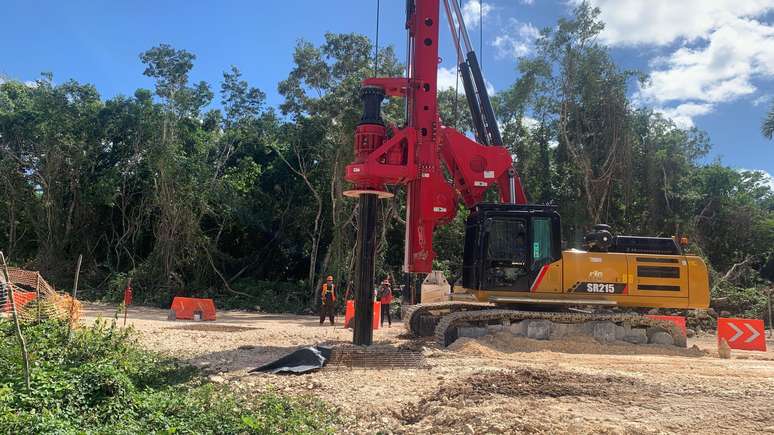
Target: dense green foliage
101 382
244 202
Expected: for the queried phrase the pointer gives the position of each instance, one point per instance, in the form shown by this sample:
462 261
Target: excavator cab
506 245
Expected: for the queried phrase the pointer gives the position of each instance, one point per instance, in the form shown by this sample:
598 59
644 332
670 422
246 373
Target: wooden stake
75 293
37 292
19 336
771 325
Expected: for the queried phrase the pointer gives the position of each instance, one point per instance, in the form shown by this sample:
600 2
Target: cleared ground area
496 384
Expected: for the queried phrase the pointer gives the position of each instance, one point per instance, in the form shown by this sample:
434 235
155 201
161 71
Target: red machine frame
412 155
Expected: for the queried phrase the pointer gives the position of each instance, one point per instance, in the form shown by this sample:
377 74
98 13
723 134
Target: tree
321 97
50 144
768 124
170 68
178 170
577 97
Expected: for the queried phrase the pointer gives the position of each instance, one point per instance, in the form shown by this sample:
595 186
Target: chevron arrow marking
743 334
738 334
754 331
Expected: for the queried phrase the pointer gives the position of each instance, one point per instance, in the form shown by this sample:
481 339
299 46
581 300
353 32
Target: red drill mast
412 155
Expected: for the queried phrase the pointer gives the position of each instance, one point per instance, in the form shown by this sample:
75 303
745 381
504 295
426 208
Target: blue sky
711 61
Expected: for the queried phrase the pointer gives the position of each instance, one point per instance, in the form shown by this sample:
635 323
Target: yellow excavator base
613 279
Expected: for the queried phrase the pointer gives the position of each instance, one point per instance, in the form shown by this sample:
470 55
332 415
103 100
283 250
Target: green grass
102 382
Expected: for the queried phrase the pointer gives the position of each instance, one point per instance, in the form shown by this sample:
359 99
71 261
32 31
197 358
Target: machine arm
482 113
415 156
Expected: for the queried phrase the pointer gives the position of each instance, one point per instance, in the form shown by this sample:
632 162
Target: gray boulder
662 338
471 331
636 336
539 330
604 332
519 328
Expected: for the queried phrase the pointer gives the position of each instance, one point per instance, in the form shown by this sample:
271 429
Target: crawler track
421 323
419 319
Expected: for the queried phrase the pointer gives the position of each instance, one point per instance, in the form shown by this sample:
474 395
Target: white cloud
516 41
683 114
721 49
473 11
447 79
528 2
763 99
662 22
720 71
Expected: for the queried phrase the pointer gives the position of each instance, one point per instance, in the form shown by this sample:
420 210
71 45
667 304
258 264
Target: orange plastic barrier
742 334
21 298
185 308
349 314
677 320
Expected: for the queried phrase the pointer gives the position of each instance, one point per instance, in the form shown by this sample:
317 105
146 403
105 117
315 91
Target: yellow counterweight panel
664 276
698 282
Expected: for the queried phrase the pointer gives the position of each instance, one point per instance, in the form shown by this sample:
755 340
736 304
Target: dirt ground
496 384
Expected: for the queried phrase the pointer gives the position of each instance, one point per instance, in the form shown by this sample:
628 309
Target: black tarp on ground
301 361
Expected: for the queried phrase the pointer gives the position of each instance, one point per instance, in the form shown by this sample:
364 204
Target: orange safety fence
185 308
20 298
36 299
349 314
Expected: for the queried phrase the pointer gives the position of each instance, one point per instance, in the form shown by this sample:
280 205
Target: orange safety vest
325 291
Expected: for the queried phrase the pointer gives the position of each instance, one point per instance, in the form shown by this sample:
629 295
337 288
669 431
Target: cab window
541 242
508 241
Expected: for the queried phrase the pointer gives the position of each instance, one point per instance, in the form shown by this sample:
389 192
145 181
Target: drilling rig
514 269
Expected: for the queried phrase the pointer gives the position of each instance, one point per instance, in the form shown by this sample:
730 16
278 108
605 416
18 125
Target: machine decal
595 275
600 288
539 278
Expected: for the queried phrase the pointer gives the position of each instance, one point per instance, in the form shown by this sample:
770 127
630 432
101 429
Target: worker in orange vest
385 298
327 301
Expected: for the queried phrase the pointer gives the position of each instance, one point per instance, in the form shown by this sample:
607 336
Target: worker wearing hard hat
385 298
327 300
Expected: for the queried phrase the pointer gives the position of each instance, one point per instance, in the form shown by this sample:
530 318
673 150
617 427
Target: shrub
748 302
102 382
